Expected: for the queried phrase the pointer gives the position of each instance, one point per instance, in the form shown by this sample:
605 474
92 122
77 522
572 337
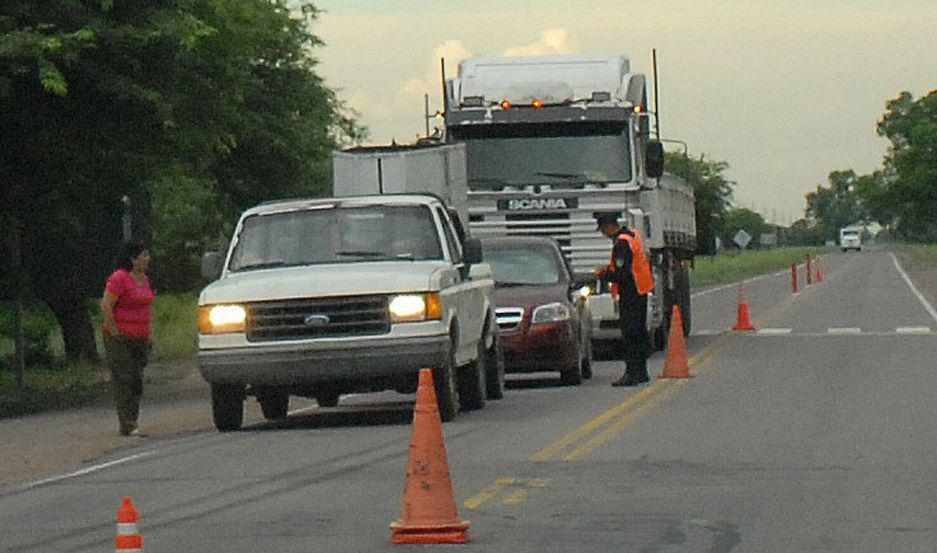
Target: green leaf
52 79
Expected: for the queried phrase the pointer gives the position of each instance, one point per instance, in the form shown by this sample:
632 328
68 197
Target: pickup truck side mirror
480 271
211 265
654 159
472 251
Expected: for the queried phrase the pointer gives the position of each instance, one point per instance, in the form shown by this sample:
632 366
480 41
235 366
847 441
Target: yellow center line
517 496
476 500
658 386
623 422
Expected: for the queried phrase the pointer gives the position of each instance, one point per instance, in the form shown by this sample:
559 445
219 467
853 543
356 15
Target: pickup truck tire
494 363
447 393
227 406
327 399
472 381
572 375
274 403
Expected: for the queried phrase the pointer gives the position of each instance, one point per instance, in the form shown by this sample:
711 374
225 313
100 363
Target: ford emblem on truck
533 204
316 320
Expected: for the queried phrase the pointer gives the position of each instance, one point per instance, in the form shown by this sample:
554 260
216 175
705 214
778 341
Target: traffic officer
629 276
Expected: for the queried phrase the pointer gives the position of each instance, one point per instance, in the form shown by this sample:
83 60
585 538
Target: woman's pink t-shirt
133 307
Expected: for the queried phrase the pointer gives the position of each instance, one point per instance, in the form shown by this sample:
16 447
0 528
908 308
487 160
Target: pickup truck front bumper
319 363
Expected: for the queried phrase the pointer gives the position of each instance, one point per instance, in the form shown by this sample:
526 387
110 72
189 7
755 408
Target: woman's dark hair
128 251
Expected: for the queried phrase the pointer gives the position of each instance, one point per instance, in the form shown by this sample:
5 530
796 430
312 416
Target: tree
838 205
740 218
192 108
907 190
712 191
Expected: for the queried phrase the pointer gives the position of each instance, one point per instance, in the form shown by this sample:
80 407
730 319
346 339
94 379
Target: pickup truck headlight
550 313
407 308
219 319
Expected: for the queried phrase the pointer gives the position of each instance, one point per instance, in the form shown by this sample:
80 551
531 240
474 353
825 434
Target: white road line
708 333
913 330
88 470
844 330
927 306
774 331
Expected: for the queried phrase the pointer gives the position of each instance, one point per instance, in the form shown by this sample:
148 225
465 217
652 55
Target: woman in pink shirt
126 308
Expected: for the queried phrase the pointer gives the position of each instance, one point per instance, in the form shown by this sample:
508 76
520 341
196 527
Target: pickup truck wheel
572 375
586 353
227 406
274 403
472 381
494 365
447 393
327 399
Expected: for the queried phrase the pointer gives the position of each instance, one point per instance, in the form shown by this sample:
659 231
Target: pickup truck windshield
560 161
336 235
522 266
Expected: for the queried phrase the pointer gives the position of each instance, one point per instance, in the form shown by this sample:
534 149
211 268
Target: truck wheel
586 353
686 304
494 365
227 406
447 393
473 381
327 399
274 403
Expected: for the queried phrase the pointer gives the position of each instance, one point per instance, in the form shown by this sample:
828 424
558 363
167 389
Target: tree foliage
712 191
837 205
906 192
741 218
194 109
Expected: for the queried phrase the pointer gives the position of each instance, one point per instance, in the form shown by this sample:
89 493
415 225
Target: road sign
742 239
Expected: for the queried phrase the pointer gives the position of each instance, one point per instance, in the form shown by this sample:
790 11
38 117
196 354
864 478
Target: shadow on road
372 414
532 383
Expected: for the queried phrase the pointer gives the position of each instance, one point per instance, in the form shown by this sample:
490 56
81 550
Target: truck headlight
219 319
407 308
550 313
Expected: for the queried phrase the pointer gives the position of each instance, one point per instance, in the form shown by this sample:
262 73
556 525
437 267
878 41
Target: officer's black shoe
630 379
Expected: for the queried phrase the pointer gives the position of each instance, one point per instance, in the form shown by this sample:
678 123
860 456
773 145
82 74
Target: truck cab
550 141
320 297
850 238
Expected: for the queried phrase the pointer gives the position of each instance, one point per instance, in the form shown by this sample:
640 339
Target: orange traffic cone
819 270
428 511
743 322
128 538
676 365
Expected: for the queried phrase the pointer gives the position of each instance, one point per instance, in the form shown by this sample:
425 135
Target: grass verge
733 266
60 385
916 257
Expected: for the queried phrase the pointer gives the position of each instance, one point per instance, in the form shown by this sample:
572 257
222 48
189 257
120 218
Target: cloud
453 51
552 41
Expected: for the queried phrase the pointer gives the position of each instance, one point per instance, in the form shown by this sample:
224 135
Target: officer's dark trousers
632 315
126 358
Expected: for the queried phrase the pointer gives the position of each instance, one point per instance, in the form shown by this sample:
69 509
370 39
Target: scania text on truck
551 140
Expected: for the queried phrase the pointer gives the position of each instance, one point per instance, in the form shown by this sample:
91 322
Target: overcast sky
784 91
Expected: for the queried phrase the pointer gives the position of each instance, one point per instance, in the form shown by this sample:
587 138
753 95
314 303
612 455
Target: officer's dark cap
603 218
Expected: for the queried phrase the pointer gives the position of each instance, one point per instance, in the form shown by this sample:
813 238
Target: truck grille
509 318
299 319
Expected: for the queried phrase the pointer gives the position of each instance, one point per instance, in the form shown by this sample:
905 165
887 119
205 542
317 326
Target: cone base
665 374
743 327
428 534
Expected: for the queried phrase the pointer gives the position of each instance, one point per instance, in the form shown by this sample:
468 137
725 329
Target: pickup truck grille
300 319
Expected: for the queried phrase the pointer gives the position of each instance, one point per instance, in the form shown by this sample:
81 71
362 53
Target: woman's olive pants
126 358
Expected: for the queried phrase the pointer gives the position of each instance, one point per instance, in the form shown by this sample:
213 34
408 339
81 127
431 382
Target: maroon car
544 322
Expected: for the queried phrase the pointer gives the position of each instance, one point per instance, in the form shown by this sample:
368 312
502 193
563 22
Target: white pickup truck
320 297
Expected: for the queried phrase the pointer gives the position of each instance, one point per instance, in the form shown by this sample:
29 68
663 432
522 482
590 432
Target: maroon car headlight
550 313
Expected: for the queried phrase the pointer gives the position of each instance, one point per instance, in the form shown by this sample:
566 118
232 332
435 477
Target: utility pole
19 293
426 113
125 219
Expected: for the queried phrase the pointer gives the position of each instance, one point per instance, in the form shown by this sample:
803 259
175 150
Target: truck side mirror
211 265
472 251
654 159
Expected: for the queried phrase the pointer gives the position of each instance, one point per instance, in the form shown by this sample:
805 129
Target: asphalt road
814 433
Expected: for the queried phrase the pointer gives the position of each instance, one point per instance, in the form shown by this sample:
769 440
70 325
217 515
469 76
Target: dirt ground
175 402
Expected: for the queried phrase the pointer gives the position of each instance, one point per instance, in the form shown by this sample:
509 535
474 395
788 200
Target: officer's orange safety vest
640 264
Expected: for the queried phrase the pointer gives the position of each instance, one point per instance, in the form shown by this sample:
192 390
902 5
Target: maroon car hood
530 295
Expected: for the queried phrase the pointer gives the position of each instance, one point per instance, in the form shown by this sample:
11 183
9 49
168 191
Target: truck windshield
336 235
601 156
